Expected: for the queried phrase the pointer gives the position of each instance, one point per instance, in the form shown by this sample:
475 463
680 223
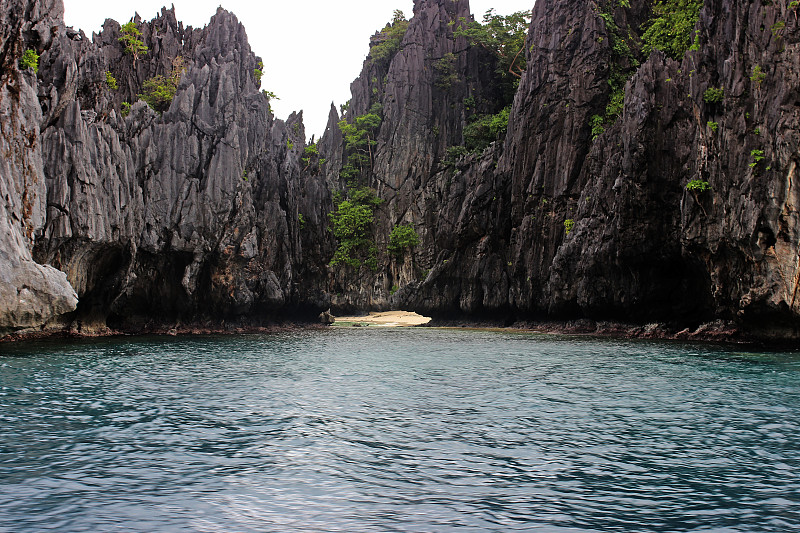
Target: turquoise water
397 430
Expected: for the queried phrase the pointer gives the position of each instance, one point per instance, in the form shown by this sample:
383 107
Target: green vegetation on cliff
159 90
389 39
485 129
29 59
258 72
359 138
111 81
351 224
503 35
131 41
402 238
671 29
625 59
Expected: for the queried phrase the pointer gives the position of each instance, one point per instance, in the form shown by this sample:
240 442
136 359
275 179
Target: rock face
555 223
32 295
643 247
187 216
419 93
212 211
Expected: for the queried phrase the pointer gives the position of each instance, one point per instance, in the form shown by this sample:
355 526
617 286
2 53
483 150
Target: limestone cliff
213 212
157 219
559 222
31 295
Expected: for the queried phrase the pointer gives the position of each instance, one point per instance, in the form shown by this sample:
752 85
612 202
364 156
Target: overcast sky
312 49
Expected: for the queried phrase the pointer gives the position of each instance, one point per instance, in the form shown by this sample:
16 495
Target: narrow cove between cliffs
384 429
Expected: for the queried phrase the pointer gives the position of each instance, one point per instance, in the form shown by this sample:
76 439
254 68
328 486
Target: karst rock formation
118 217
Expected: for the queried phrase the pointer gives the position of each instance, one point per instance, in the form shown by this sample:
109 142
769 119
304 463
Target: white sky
312 49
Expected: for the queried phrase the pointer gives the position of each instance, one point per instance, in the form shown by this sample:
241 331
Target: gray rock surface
208 214
32 295
642 248
189 216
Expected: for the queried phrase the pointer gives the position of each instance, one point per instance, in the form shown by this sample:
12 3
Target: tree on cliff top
504 36
130 40
392 36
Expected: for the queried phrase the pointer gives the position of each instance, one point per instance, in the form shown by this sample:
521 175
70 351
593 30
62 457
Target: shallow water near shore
368 429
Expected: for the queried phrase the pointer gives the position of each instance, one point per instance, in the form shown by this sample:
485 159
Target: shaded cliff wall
186 216
422 106
641 247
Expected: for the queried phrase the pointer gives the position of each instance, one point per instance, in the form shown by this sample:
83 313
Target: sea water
366 429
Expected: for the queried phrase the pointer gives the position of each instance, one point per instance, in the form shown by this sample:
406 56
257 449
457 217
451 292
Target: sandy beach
389 319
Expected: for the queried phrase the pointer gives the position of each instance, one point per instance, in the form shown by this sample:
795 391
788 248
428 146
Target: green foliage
160 90
111 81
454 153
269 95
758 75
393 290
485 130
311 151
370 121
125 109
671 29
351 224
402 237
302 220
504 37
777 28
359 138
714 95
391 39
597 126
376 109
158 93
758 156
446 75
622 66
713 125
289 144
568 225
258 73
616 103
29 59
131 41
698 186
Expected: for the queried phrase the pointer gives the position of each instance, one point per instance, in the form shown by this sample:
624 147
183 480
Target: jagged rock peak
454 7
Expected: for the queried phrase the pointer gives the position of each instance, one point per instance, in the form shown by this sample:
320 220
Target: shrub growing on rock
401 238
29 59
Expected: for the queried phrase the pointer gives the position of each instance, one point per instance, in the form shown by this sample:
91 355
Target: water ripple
397 430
